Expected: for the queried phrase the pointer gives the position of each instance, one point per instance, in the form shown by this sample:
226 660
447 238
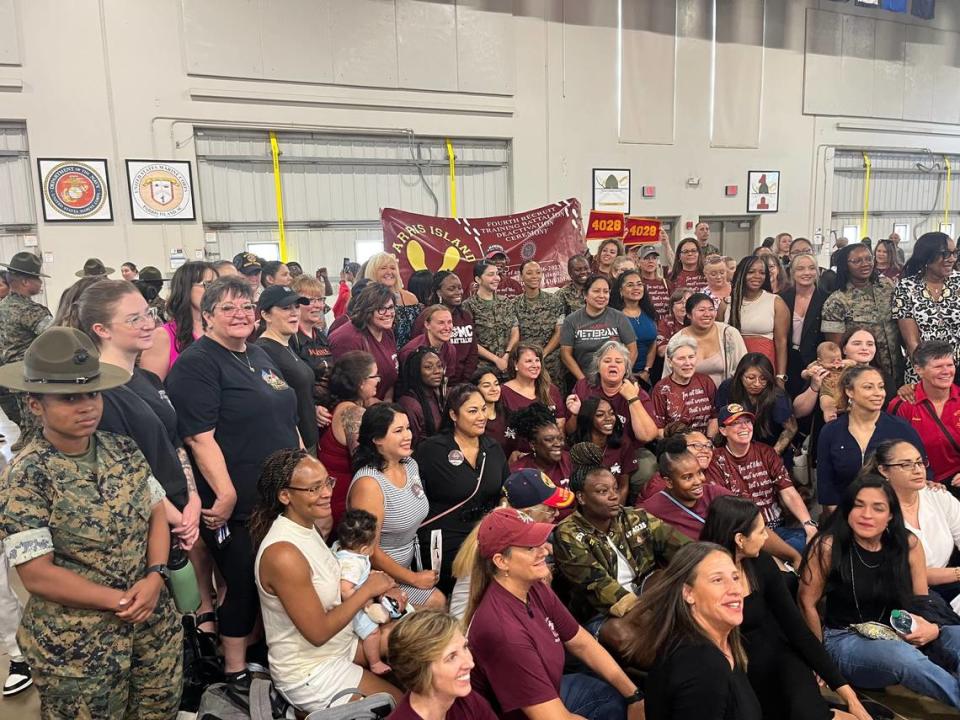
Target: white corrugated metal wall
905 188
334 187
17 214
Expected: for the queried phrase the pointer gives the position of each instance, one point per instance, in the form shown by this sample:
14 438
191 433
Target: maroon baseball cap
507 527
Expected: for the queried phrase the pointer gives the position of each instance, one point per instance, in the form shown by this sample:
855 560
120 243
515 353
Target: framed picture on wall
74 190
611 190
763 191
160 190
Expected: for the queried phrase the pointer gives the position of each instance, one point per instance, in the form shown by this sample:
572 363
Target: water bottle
183 581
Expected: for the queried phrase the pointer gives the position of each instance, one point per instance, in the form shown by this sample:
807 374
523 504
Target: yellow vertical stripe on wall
278 193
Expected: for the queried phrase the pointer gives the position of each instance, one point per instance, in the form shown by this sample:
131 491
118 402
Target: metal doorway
735 235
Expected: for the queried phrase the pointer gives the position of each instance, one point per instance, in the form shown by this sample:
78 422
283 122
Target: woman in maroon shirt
687 268
437 331
371 329
429 656
536 425
448 291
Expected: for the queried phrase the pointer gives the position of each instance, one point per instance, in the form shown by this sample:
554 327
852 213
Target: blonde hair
417 641
466 556
304 283
377 262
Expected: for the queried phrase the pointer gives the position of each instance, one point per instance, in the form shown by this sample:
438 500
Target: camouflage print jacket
587 560
95 523
21 320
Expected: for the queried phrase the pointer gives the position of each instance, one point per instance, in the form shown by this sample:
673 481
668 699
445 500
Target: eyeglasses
689 251
141 320
862 260
699 446
387 310
245 309
316 300
204 285
947 254
909 465
315 490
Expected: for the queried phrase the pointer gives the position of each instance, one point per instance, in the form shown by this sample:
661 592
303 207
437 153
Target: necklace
853 582
862 561
246 360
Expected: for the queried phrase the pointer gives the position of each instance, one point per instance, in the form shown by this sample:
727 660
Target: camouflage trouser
151 690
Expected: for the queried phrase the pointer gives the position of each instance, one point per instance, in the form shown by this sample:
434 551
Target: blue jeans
876 664
795 537
591 697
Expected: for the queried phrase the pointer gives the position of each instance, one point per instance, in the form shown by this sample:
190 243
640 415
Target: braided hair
275 476
672 450
586 457
411 383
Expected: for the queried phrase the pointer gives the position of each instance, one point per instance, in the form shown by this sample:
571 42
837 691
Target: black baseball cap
280 296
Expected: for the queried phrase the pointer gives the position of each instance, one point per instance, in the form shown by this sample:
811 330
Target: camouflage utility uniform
93 514
571 298
538 320
871 307
21 321
586 559
492 322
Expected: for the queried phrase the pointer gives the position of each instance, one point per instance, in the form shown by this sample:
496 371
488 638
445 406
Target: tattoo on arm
351 426
187 471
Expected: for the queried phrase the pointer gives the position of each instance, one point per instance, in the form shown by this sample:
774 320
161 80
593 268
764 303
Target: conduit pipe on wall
946 191
866 196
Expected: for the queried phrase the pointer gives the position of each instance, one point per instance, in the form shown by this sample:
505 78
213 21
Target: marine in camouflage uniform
492 322
869 306
539 320
585 557
21 321
93 514
571 298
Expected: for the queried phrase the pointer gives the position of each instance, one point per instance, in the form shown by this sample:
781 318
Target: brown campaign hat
62 361
94 266
25 263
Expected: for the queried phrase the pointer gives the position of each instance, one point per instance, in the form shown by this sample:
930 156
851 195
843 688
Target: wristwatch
811 523
782 378
635 698
160 570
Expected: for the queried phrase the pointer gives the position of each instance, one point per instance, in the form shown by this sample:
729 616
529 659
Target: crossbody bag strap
683 507
943 428
476 489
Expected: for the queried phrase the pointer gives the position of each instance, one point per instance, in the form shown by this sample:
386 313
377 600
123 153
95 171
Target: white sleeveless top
757 317
292 657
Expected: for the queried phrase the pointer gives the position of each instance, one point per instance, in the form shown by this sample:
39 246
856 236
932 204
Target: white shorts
330 678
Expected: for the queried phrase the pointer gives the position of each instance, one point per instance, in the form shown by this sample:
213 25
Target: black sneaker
18 680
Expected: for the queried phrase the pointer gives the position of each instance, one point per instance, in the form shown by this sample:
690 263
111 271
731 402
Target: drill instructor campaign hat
94 266
25 263
62 361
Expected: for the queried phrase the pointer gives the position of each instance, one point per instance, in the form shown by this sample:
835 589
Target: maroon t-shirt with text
691 404
346 338
659 291
519 648
759 476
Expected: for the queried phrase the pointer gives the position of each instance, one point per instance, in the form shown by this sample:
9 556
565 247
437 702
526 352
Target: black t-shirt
138 411
315 351
300 377
448 479
254 412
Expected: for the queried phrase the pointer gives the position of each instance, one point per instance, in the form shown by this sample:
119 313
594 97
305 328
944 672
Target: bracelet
636 697
633 400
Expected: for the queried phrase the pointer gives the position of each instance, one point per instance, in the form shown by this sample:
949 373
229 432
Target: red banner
604 225
641 231
549 235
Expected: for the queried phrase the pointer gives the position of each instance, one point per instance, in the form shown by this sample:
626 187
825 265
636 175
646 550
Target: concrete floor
26 705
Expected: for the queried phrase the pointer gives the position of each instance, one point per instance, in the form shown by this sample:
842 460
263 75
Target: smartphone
346 261
223 536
